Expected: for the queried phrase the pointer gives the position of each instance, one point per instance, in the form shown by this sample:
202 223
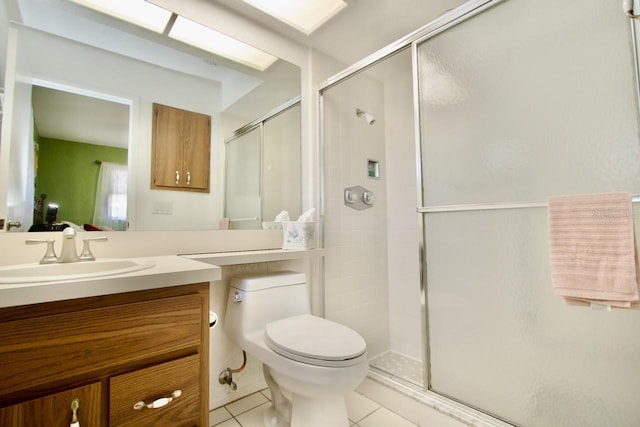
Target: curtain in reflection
111 197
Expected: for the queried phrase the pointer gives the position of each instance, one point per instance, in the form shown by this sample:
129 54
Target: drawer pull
75 405
158 403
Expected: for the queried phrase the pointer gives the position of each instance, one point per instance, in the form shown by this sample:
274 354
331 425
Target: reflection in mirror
263 169
80 168
59 44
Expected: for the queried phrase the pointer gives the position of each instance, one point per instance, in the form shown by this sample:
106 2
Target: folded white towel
592 249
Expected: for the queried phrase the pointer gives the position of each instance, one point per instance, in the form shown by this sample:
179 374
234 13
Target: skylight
137 12
155 18
303 15
212 41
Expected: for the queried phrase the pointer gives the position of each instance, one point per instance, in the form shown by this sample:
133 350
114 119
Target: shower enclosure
480 117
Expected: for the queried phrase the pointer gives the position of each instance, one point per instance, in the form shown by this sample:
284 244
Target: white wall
20 189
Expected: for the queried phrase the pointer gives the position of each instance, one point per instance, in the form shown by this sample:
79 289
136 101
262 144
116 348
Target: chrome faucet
69 252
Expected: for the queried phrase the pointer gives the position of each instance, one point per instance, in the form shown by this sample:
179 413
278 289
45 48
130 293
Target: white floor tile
229 423
266 393
246 403
359 406
218 415
253 418
384 418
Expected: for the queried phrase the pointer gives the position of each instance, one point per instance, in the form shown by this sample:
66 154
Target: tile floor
247 412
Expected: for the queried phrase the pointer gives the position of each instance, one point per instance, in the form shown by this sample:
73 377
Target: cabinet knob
158 403
188 178
177 177
75 405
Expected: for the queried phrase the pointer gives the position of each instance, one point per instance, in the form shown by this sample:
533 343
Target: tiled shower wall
355 241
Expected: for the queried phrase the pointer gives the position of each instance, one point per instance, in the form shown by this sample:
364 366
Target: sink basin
33 273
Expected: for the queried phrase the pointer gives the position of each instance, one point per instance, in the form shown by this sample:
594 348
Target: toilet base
296 410
279 413
320 411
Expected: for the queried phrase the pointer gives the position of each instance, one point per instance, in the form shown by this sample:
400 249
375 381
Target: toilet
309 363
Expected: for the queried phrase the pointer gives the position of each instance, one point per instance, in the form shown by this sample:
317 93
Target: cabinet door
55 410
181 149
165 395
168 134
196 154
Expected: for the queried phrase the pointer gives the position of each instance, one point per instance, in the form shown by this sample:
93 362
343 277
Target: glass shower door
527 100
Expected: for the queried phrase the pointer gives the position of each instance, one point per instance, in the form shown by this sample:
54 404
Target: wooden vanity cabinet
117 354
181 149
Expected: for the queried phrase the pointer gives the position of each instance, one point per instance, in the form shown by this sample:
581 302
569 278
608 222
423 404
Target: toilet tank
257 299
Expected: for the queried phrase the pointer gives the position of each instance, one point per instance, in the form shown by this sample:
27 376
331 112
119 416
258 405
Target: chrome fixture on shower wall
368 117
358 198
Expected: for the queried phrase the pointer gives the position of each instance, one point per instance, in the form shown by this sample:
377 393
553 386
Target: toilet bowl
309 363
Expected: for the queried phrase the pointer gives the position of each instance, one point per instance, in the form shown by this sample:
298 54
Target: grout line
369 414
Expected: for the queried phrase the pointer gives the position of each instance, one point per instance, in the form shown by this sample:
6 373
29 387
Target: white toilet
309 363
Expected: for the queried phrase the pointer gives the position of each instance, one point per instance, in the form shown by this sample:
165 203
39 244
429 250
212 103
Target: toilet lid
314 340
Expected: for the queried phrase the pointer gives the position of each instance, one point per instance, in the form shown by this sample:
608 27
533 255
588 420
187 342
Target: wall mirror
61 51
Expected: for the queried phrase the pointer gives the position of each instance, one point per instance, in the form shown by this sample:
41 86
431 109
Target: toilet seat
315 341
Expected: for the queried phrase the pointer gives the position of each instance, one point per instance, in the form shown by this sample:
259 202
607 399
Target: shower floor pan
399 366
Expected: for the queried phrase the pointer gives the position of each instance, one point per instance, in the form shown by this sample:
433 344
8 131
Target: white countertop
247 257
168 271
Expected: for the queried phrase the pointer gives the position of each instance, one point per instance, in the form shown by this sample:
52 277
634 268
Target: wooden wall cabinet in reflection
181 150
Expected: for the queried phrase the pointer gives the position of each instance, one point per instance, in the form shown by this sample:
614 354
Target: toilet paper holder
213 319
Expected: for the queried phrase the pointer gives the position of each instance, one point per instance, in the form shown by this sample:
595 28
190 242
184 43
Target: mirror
67 51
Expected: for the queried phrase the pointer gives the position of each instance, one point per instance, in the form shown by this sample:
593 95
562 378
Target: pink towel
592 249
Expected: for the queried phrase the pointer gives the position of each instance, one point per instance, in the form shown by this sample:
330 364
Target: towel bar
492 206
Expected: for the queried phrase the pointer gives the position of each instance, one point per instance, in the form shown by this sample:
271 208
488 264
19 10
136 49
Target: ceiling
73 117
359 30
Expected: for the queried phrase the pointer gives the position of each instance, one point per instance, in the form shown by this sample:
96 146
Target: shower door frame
443 23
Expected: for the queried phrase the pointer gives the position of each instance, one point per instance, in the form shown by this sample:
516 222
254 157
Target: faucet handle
86 254
50 256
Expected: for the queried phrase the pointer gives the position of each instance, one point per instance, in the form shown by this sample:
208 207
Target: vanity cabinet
181 149
131 359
